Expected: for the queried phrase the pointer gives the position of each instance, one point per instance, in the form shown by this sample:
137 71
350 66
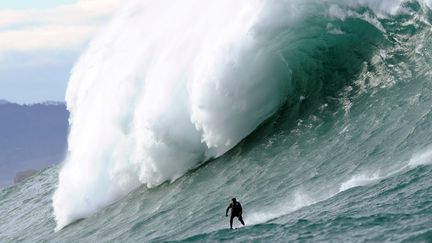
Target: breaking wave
168 85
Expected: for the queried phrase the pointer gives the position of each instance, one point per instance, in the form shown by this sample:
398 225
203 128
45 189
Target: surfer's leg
231 221
241 220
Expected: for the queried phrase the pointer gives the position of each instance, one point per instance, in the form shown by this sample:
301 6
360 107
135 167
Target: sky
40 40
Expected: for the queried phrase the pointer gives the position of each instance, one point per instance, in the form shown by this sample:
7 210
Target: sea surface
337 146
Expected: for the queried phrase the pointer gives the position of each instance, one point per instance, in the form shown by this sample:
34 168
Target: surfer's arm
226 214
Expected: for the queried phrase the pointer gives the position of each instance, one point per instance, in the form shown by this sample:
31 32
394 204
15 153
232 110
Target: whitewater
315 115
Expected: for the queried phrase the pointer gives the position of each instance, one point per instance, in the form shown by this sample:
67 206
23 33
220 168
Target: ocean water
315 115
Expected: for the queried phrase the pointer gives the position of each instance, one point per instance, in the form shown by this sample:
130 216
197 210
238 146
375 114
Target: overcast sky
40 40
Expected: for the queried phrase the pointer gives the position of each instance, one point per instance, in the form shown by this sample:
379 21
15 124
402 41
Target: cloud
45 38
64 27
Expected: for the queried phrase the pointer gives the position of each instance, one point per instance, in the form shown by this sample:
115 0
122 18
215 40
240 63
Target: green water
346 159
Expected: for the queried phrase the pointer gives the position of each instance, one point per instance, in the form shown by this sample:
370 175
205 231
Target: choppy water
346 157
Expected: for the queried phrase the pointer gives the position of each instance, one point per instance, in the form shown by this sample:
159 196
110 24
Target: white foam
359 180
380 6
421 158
282 207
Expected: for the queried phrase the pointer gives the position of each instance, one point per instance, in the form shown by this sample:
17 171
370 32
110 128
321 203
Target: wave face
168 85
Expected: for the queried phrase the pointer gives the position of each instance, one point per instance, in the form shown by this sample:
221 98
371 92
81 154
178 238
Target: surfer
236 211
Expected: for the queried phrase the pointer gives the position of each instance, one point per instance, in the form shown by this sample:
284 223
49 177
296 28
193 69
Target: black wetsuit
236 211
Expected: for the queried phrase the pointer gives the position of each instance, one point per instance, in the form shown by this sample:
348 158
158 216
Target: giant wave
168 85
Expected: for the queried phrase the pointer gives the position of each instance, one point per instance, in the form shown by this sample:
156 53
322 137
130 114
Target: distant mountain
32 137
49 102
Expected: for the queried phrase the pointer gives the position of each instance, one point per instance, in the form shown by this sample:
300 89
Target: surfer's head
234 199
